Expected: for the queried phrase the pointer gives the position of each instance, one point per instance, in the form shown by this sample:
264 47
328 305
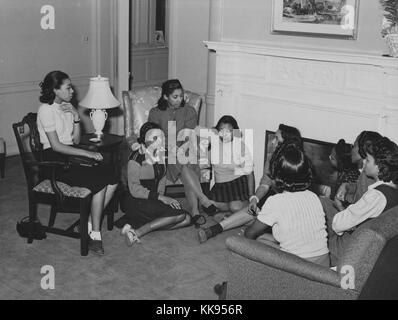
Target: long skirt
142 211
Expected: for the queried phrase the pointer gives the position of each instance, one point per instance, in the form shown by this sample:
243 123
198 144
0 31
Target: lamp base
95 139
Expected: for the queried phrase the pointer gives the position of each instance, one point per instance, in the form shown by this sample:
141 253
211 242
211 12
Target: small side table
109 144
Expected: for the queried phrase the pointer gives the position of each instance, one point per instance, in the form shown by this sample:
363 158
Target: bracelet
78 121
254 197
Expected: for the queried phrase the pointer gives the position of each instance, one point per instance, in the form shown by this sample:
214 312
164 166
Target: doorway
149 52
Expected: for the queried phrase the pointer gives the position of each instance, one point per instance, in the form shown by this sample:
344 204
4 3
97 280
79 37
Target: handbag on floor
26 229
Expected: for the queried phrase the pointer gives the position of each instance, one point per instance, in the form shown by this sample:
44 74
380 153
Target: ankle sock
89 227
95 235
216 229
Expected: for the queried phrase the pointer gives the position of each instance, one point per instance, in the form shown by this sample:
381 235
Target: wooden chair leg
109 220
84 212
53 215
32 215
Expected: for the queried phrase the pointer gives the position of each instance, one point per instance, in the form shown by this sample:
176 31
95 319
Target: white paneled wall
326 95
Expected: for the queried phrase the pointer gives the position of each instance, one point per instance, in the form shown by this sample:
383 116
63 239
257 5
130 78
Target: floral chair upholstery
138 102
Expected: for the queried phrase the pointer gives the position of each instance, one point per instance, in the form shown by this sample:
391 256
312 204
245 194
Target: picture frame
332 18
325 179
159 38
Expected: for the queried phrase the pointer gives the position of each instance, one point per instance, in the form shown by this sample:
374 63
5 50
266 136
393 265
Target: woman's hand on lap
94 155
170 202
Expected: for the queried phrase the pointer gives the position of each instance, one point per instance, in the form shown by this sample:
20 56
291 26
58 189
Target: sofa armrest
278 259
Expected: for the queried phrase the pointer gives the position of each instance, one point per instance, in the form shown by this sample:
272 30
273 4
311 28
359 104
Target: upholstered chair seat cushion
68 191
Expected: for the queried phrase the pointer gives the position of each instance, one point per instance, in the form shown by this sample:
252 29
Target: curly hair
290 133
52 80
365 141
168 88
385 153
292 141
343 156
293 170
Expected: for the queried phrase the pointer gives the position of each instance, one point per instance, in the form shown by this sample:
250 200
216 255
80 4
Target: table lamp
99 98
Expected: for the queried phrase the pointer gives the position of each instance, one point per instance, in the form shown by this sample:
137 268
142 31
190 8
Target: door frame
120 53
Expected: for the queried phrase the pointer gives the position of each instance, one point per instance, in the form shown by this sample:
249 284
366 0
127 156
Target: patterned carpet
166 265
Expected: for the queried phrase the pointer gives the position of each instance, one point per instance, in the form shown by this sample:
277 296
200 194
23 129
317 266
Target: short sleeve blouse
51 118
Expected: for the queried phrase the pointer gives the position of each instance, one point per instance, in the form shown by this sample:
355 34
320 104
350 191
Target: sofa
258 271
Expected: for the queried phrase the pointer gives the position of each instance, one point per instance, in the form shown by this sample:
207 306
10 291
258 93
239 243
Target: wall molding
33 86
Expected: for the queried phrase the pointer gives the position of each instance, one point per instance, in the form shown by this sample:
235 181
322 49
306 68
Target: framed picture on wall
333 18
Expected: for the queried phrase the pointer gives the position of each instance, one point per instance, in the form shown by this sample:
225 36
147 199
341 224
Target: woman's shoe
125 228
131 238
95 246
198 220
204 235
210 210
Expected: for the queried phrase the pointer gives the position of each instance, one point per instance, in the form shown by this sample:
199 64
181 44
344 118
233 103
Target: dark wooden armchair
61 197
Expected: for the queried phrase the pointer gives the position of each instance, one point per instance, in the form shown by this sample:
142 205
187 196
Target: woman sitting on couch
381 165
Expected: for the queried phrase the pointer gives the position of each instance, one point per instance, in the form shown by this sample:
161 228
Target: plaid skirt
235 190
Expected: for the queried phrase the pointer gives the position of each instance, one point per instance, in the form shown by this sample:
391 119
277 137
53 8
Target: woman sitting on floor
233 168
147 208
295 213
285 136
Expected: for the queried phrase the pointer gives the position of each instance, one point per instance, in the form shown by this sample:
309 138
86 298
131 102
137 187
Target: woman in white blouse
58 123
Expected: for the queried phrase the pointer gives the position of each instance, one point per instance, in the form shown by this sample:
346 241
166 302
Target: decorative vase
392 42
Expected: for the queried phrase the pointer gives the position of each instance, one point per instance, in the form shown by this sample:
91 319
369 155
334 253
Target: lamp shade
99 95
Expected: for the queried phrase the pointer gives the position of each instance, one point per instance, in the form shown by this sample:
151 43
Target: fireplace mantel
303 54
328 95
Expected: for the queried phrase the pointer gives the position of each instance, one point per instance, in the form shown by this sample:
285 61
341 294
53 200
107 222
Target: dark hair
227 120
293 170
385 153
343 156
168 88
291 141
290 133
52 80
365 141
144 129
